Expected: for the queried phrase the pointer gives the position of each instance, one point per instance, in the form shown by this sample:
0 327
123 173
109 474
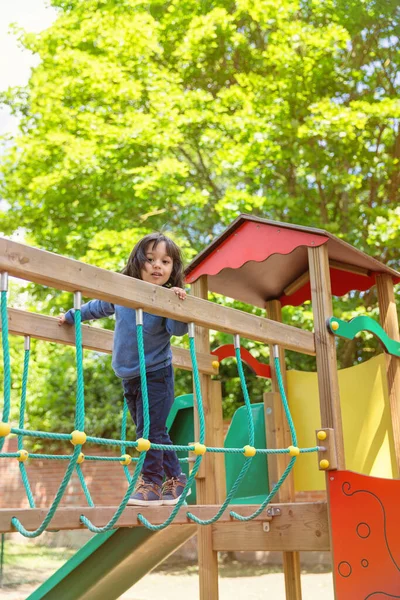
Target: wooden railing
71 275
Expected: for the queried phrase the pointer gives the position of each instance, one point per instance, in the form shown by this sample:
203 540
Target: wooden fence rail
46 268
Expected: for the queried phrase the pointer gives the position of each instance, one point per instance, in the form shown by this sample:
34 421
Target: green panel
256 483
349 329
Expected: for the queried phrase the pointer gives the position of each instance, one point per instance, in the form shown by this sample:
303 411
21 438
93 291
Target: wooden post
275 413
390 323
205 481
325 346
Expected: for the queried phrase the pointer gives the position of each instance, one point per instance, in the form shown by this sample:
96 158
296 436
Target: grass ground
27 565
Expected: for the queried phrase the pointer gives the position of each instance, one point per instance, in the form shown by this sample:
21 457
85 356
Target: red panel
366 536
228 351
342 282
253 241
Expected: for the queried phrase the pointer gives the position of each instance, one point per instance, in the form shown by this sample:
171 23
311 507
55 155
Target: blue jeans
160 388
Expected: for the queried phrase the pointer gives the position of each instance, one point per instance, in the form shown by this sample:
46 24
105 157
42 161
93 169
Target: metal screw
266 527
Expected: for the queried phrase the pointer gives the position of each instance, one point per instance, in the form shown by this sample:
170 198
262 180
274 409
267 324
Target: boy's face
158 267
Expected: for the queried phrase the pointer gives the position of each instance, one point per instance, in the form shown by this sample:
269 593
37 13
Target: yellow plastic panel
368 437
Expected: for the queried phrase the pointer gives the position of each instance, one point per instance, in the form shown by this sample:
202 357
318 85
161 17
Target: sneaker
173 488
147 493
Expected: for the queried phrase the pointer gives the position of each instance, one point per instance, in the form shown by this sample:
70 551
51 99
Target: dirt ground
28 565
178 586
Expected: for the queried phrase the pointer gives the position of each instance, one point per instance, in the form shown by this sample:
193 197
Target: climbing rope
78 437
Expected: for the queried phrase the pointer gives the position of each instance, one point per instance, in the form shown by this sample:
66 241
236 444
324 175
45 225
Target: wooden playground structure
269 265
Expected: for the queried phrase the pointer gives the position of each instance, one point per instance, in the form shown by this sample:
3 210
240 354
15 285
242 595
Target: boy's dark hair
137 259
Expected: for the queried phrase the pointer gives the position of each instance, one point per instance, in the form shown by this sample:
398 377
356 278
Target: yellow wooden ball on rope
143 445
199 449
78 437
80 458
5 429
294 450
249 451
126 459
23 455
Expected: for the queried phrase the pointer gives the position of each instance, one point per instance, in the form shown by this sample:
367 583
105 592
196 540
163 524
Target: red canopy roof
256 260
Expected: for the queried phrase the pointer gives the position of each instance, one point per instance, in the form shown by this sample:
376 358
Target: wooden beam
205 481
69 518
304 278
100 340
301 526
328 383
297 284
71 275
325 345
291 560
340 266
390 323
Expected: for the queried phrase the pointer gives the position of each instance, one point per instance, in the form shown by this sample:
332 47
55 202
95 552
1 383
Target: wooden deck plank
69 518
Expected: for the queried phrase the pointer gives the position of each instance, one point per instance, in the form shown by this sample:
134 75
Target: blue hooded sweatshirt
157 332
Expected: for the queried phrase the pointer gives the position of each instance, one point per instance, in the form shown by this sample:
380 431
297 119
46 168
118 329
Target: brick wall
106 481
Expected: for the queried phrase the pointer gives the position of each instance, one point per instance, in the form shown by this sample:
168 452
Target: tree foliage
181 114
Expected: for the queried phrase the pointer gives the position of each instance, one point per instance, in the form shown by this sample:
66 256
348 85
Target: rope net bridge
78 437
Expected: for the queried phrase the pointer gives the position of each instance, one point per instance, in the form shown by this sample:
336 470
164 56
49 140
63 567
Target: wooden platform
300 526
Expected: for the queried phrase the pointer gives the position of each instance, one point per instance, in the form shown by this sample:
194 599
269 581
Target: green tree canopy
181 114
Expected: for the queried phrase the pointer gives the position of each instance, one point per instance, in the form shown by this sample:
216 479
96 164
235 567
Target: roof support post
282 439
205 480
325 346
390 323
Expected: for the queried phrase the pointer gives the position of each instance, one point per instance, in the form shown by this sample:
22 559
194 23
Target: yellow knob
215 364
143 445
294 450
5 429
335 325
23 456
324 463
126 459
81 458
78 437
249 451
322 435
199 449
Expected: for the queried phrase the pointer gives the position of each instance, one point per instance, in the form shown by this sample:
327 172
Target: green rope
80 394
79 422
84 486
31 534
246 465
146 428
22 467
202 432
289 467
123 437
6 363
